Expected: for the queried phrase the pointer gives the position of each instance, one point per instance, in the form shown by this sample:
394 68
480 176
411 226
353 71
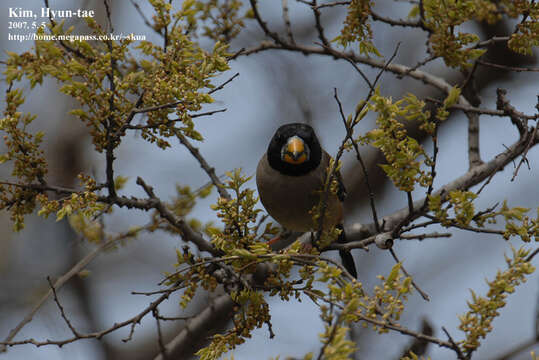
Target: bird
290 177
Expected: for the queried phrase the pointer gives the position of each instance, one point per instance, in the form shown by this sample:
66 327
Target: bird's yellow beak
293 152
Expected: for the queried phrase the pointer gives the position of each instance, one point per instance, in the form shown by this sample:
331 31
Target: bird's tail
346 257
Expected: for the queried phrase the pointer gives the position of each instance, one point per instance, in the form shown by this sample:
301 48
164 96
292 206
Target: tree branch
77 268
364 235
218 309
204 165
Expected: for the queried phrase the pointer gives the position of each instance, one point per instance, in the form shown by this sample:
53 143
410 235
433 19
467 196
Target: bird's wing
341 190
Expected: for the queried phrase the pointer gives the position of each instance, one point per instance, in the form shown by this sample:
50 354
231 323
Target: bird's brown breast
289 199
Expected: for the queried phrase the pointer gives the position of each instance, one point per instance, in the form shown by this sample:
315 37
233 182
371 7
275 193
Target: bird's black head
294 150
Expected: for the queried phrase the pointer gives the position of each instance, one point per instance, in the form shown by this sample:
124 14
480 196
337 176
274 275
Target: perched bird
290 177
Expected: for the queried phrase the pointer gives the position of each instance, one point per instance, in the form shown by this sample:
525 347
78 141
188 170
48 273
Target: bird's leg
312 244
273 240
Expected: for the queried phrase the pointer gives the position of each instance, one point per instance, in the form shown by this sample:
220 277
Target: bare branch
532 255
393 22
491 41
61 308
204 165
169 122
474 159
263 24
516 117
524 159
95 335
364 236
455 347
331 335
286 20
77 268
160 341
420 346
353 63
390 326
64 43
336 3
483 111
154 203
223 84
110 124
109 18
157 107
349 133
423 294
318 24
218 309
144 18
418 65
506 67
425 236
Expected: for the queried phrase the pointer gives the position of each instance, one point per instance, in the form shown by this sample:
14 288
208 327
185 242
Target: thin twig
474 158
390 326
172 121
482 111
425 236
454 345
524 159
423 294
63 42
286 20
336 3
144 18
331 335
433 165
175 318
204 165
263 24
393 22
77 268
410 202
353 63
95 335
62 312
158 107
532 255
161 291
418 65
318 24
503 104
154 203
207 113
349 134
491 41
109 127
455 224
506 67
42 188
109 18
162 349
220 308
223 84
